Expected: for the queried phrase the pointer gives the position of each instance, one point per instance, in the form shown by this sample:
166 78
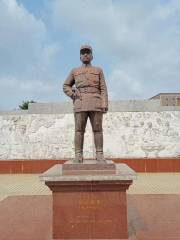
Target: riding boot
98 140
79 140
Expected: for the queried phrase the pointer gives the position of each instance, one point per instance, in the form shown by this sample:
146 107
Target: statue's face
86 56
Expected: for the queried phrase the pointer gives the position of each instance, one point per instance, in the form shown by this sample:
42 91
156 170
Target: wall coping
114 106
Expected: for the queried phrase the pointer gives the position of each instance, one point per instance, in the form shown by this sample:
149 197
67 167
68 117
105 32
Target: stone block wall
126 134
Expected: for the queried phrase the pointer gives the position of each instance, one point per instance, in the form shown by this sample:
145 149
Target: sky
136 43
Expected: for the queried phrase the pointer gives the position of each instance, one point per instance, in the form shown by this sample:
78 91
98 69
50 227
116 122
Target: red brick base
90 215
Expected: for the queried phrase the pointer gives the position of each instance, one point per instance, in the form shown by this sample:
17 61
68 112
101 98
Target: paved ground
153 207
147 183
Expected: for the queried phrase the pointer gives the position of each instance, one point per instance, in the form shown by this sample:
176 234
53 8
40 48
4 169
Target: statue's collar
86 65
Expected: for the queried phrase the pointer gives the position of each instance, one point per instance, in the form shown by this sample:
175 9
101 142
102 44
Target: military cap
86 47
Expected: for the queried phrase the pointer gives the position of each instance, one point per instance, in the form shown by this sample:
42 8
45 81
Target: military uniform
87 88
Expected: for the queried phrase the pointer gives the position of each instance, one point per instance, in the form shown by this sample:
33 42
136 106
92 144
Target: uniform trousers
81 118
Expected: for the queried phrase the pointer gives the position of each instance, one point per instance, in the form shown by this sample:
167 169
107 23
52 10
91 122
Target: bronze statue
87 88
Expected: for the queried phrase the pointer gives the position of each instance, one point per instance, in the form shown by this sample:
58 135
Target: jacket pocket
77 103
79 78
97 101
94 76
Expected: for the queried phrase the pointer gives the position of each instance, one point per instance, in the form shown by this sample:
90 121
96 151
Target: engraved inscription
88 219
90 204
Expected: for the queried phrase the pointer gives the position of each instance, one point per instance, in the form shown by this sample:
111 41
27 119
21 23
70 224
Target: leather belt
89 90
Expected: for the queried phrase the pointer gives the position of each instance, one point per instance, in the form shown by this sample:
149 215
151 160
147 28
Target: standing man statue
87 88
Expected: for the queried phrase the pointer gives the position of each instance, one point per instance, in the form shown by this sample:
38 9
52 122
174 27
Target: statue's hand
104 110
76 94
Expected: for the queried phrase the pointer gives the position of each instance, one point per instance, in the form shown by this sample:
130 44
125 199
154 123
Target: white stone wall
126 134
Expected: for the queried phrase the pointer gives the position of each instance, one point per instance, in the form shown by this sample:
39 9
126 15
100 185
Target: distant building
168 99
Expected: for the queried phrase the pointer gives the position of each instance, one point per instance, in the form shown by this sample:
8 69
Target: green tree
25 104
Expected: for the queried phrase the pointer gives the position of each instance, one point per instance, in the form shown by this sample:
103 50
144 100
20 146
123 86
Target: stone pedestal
89 200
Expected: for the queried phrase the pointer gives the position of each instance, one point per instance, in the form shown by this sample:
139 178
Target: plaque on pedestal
89 199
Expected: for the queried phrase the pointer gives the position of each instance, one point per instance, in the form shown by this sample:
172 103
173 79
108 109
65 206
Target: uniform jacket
90 83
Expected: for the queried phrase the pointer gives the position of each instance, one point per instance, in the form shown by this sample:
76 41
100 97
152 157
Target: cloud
21 36
140 39
26 54
125 84
136 42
